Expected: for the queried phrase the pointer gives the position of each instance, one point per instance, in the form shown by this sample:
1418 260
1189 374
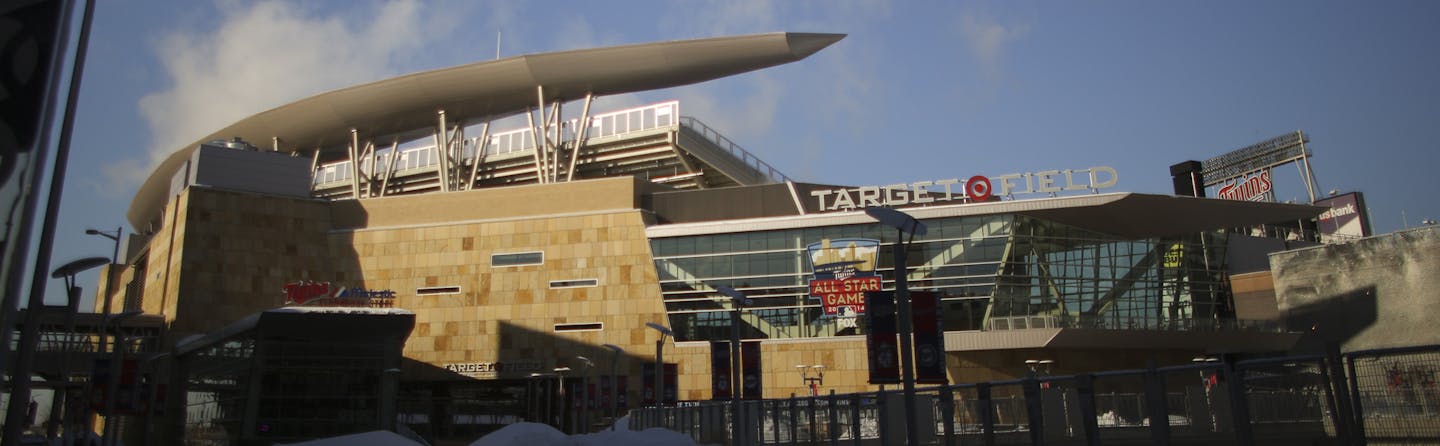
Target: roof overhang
1129 215
481 90
1230 341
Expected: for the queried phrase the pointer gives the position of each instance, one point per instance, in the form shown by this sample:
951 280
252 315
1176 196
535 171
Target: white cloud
986 38
262 55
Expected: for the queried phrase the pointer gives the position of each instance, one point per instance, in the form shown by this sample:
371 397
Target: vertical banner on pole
929 337
751 370
647 383
882 337
720 370
622 399
671 392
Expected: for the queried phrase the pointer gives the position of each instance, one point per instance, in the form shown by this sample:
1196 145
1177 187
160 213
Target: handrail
621 122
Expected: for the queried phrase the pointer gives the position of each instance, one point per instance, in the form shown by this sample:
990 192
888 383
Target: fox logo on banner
750 379
929 337
882 339
720 386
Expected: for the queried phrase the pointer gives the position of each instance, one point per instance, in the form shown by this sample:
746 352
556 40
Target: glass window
517 259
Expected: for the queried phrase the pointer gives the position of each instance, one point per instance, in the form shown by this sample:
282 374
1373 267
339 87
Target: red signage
298 293
1251 188
850 292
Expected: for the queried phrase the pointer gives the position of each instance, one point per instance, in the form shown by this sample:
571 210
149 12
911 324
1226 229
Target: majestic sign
973 190
844 271
311 293
1247 188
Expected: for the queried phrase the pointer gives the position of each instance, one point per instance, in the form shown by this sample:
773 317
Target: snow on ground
526 434
536 434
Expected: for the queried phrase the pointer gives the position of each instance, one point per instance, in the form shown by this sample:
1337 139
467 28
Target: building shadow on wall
1337 319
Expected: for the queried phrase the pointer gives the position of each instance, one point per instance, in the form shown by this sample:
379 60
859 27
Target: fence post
1239 404
789 409
811 409
833 426
1359 406
855 418
1155 404
1332 371
1035 416
1085 390
947 413
986 406
881 419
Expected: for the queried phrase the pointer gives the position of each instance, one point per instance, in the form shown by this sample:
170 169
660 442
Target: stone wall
1371 293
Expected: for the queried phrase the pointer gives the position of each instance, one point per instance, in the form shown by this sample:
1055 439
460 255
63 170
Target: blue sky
919 90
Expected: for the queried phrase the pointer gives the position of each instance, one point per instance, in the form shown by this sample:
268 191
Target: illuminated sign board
1346 219
844 271
974 189
1248 188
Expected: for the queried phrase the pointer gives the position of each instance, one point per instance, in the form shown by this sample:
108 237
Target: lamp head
896 219
613 348
734 294
661 328
77 266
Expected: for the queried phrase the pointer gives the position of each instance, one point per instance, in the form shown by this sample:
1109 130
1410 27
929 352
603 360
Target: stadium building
516 270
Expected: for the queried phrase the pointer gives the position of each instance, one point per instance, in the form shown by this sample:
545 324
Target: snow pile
536 434
372 438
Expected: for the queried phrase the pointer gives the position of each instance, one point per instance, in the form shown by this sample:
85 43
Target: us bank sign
975 189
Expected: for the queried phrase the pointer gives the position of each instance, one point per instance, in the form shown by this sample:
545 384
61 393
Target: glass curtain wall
992 272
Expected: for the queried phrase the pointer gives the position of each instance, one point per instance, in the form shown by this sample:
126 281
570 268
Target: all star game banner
844 270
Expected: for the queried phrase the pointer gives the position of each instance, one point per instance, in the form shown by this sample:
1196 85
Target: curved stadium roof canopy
406 105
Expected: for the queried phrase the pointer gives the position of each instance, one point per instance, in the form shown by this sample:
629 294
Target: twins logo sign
844 271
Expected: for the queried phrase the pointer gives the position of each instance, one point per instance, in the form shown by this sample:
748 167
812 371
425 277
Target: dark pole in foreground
614 381
739 434
903 223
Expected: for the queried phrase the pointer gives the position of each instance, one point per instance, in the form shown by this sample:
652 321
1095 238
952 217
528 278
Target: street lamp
584 419
615 351
109 276
59 398
659 357
813 382
903 223
738 301
560 372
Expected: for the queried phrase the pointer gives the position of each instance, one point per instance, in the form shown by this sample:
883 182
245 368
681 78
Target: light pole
109 275
903 223
659 360
738 301
615 352
542 381
584 418
560 372
813 382
153 395
112 385
59 399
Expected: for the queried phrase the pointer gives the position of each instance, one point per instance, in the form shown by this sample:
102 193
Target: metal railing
522 140
1391 396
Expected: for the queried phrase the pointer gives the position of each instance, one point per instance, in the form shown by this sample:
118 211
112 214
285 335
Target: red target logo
977 188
